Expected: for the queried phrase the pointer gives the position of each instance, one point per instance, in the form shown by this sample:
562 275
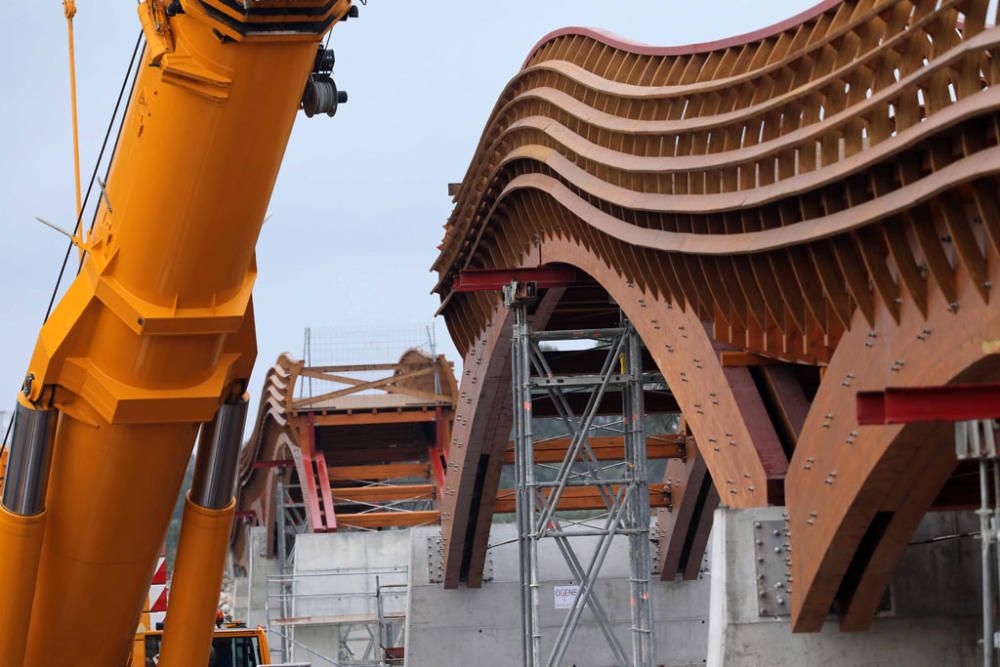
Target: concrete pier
734 615
481 627
930 616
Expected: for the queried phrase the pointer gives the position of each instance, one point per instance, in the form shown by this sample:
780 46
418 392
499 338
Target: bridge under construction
728 342
724 386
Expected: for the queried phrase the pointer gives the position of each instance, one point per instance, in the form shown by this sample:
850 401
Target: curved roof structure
787 217
355 450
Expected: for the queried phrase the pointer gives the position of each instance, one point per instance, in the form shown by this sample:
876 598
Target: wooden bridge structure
361 448
787 218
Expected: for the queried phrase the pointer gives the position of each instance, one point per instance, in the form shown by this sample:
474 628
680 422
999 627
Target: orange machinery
155 339
237 646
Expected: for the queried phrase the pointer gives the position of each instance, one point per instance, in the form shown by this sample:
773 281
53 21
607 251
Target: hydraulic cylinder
201 551
22 524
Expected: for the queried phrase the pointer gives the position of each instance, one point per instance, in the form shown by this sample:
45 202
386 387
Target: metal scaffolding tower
976 441
622 485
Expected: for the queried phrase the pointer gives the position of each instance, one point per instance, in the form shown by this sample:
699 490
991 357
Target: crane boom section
157 329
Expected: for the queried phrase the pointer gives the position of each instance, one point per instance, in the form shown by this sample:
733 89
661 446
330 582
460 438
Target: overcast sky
359 205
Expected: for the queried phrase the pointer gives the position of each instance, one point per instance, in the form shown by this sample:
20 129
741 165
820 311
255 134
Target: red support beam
315 480
485 280
277 463
906 405
326 493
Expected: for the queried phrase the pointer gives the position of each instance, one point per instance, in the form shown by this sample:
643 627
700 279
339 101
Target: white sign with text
565 596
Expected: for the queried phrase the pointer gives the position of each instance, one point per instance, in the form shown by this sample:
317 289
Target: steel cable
129 75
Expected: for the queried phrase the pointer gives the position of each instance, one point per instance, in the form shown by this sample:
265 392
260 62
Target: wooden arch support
856 494
720 405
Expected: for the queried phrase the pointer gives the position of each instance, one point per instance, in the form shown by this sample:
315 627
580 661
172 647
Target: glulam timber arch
820 197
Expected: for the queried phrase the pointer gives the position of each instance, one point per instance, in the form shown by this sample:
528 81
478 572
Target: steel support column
623 486
285 588
975 439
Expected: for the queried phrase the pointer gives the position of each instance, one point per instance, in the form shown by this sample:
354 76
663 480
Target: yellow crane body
153 339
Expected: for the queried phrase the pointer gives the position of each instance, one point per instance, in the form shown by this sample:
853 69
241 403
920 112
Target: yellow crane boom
155 338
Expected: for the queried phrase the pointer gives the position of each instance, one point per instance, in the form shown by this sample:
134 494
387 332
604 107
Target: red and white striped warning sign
158 593
156 601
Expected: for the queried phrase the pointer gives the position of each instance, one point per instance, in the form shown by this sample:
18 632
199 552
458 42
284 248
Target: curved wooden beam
720 406
856 494
611 39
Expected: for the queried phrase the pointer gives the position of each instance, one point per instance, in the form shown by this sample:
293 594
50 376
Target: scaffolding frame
975 440
622 486
366 639
291 519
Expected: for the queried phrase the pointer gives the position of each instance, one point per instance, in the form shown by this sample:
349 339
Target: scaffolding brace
623 486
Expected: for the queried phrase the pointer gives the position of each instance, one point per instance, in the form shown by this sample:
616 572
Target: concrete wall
334 578
250 588
335 584
481 627
933 619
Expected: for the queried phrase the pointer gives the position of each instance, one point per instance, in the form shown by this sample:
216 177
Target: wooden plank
389 519
578 498
363 456
737 359
606 448
378 472
381 494
364 418
350 619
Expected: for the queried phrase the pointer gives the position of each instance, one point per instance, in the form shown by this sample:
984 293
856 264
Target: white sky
360 203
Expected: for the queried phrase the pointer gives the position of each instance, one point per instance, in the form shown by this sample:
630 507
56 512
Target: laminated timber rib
786 217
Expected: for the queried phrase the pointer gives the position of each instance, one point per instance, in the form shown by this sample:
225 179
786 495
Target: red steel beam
906 405
485 280
277 463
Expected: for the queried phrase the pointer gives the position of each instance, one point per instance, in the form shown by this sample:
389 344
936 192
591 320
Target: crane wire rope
132 76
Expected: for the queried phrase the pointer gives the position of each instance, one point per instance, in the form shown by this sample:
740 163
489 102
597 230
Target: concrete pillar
930 616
